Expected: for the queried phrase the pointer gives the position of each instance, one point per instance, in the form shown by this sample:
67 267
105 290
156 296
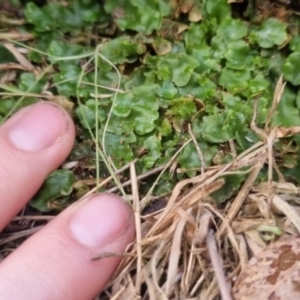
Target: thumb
56 263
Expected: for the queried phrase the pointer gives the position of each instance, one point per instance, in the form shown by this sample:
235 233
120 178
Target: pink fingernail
38 127
100 220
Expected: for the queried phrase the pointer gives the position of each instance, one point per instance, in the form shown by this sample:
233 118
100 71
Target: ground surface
201 97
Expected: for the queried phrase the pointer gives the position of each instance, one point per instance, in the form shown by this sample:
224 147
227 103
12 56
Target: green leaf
200 87
287 114
121 50
198 48
7 105
231 186
118 147
167 90
122 107
144 119
219 47
148 14
140 76
40 17
66 80
89 11
135 110
291 68
56 185
246 138
221 127
119 126
175 67
42 44
271 33
217 9
259 85
232 29
189 157
29 83
195 37
87 114
152 144
236 104
68 18
234 80
294 44
238 55
60 49
145 96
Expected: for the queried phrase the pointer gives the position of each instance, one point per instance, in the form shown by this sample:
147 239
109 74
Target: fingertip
34 142
103 223
38 126
100 220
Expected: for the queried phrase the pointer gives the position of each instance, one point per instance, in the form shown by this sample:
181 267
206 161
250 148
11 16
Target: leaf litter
192 244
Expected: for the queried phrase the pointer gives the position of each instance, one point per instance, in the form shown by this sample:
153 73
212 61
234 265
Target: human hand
55 263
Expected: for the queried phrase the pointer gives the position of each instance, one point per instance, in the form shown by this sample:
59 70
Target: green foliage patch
174 72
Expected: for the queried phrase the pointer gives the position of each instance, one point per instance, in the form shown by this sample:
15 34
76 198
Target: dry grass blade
200 154
109 254
243 193
137 215
10 66
217 265
20 234
277 97
243 247
19 57
175 252
288 210
204 221
16 36
278 187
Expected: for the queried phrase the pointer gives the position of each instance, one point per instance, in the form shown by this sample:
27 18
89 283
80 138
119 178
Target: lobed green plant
171 72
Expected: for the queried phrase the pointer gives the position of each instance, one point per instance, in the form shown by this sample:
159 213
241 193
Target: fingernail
38 127
100 220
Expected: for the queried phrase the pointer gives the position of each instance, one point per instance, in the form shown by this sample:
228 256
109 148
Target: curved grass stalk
54 57
92 56
113 100
100 153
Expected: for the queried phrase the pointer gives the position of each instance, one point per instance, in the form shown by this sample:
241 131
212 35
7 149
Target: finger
55 263
33 142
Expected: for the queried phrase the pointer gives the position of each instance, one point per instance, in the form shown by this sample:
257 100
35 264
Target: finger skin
52 265
22 172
